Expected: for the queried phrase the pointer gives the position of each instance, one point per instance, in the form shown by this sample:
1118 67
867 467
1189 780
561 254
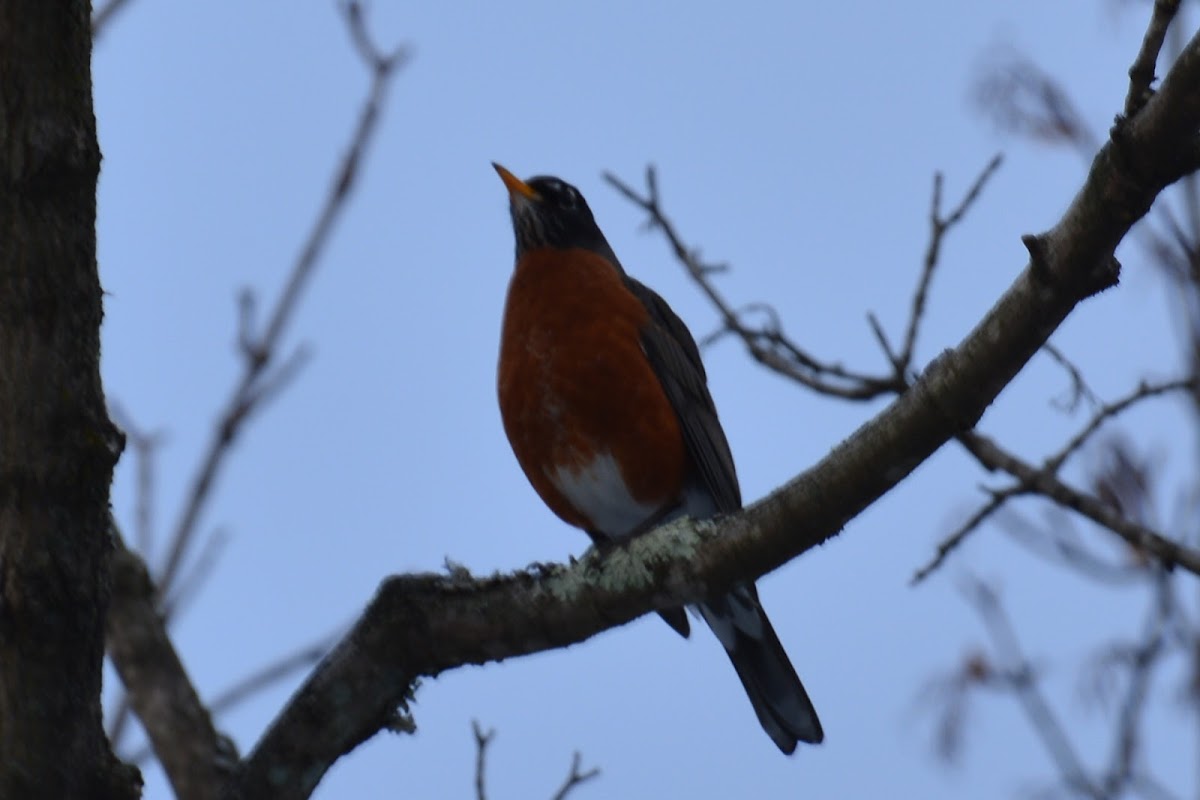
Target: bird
605 402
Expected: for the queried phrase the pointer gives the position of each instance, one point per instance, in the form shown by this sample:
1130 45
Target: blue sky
795 141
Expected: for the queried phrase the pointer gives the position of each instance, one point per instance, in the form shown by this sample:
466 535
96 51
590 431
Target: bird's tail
774 689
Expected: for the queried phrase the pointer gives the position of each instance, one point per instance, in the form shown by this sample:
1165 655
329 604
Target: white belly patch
598 492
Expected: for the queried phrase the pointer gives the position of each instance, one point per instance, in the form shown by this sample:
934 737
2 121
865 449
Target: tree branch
1044 483
768 345
423 625
1144 391
197 759
262 379
58 446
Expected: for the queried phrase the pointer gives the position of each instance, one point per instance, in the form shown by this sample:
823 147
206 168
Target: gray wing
779 699
676 360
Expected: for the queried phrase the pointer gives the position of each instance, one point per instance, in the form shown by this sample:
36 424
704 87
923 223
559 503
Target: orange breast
574 383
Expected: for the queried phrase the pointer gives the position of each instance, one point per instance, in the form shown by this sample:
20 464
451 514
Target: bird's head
549 212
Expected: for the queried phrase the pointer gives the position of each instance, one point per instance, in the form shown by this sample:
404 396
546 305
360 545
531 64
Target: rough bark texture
57 446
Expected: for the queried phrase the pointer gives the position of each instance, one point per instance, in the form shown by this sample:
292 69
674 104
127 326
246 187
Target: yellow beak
516 186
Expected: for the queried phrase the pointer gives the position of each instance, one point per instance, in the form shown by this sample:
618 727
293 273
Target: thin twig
769 346
1022 680
575 777
259 383
192 580
951 543
1144 391
1141 74
1039 481
482 740
938 227
1080 390
881 339
1060 541
260 350
1032 480
772 325
272 673
1142 660
1021 98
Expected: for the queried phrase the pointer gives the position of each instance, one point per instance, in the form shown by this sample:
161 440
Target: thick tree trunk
57 446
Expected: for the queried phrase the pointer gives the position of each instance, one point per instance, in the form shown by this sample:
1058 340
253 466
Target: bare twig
1039 481
1141 73
254 386
769 346
575 777
938 227
1144 391
885 345
191 581
949 695
1079 387
1032 480
773 323
950 543
1058 539
1122 478
271 384
1022 99
261 380
482 740
1141 660
272 673
1022 679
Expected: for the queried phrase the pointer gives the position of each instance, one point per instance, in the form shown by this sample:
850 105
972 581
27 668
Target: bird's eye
570 198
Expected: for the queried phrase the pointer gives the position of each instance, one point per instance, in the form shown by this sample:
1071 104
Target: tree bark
57 445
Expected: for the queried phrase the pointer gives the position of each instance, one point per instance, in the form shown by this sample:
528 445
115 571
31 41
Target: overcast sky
795 141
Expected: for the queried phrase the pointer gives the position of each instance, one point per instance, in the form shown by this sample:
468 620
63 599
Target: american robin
605 402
